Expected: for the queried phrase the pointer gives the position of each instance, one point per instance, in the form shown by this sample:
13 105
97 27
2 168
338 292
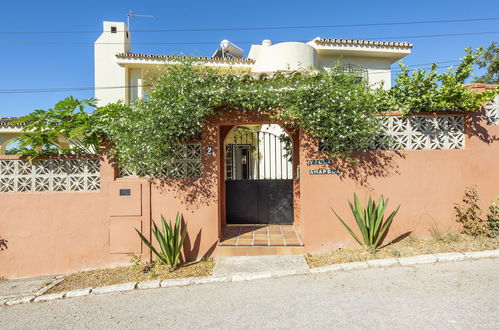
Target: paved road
454 295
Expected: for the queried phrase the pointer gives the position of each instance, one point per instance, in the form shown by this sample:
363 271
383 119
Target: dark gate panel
259 201
242 201
275 199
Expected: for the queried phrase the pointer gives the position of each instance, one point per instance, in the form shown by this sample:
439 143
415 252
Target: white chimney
114 39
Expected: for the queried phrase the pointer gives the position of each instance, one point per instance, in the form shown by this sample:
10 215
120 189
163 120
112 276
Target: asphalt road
460 295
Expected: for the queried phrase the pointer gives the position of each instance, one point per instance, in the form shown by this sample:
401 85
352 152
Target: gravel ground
446 295
407 247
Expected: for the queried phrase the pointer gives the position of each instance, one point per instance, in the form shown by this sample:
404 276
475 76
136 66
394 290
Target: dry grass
405 248
134 273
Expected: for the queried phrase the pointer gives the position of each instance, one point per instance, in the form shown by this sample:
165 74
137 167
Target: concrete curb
56 281
154 284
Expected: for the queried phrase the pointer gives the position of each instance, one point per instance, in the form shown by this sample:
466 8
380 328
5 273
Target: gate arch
259 175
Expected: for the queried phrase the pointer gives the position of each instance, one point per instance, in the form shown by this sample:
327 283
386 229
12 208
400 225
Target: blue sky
43 65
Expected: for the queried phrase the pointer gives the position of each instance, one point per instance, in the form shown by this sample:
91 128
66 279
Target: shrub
469 214
170 240
370 221
493 218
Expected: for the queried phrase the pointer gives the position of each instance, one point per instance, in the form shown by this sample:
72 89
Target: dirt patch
405 248
134 273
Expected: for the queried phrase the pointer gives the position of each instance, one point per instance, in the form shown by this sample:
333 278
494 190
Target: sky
65 60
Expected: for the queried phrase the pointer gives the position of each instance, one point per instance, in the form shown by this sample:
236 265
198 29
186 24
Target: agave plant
370 221
170 241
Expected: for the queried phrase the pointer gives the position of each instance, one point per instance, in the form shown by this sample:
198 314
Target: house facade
249 185
116 65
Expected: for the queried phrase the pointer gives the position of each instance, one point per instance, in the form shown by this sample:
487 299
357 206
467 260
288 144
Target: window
360 73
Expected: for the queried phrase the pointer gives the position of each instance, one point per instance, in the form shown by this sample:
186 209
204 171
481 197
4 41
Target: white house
117 66
120 73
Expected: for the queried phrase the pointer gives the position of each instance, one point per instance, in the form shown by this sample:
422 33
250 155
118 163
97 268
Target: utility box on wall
125 199
125 215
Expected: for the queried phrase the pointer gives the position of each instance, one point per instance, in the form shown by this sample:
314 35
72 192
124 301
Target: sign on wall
319 161
322 170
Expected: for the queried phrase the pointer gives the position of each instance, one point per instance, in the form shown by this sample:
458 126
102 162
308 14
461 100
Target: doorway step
254 240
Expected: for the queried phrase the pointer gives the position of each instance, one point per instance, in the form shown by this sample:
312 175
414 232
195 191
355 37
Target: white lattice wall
492 111
186 165
62 175
441 132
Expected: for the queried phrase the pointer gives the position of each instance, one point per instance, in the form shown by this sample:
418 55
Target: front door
259 176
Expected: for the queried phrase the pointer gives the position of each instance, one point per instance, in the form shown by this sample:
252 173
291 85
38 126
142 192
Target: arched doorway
258 169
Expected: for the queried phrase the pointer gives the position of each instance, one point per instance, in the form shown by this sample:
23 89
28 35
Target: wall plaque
125 192
319 161
323 171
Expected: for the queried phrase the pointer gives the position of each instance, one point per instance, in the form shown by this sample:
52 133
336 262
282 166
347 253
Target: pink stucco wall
59 232
426 183
51 233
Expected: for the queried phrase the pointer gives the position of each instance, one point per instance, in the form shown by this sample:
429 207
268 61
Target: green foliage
433 91
469 214
489 60
328 104
170 240
370 221
493 218
67 122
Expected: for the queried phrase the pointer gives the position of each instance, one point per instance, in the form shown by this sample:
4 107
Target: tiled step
260 235
236 251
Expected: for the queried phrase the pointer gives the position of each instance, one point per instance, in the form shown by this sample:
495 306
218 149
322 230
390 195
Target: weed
493 218
136 262
395 253
446 238
470 215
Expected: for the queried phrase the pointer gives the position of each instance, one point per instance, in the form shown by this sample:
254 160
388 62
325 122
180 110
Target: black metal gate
259 177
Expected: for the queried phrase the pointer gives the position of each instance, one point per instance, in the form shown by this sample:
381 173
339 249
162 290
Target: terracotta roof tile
173 57
334 41
7 122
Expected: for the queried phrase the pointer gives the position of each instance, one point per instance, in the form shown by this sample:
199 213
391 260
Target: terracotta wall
56 232
51 233
426 183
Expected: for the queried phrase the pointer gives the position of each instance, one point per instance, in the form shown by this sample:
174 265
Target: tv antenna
130 15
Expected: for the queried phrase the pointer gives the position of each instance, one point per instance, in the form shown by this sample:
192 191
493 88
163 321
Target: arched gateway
259 175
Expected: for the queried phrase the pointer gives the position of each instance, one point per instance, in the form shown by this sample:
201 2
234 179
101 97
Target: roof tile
173 57
335 41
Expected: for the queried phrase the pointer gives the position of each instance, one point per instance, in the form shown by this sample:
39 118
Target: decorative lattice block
18 175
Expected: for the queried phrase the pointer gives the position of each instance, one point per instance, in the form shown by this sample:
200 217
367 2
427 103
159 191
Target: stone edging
154 284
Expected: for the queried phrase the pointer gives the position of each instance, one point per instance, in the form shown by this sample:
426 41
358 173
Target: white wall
135 83
296 56
284 56
108 73
378 69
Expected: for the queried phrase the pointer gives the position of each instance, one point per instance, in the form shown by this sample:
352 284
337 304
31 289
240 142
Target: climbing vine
328 104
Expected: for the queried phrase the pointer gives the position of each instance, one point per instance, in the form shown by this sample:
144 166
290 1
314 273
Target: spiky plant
370 221
170 240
